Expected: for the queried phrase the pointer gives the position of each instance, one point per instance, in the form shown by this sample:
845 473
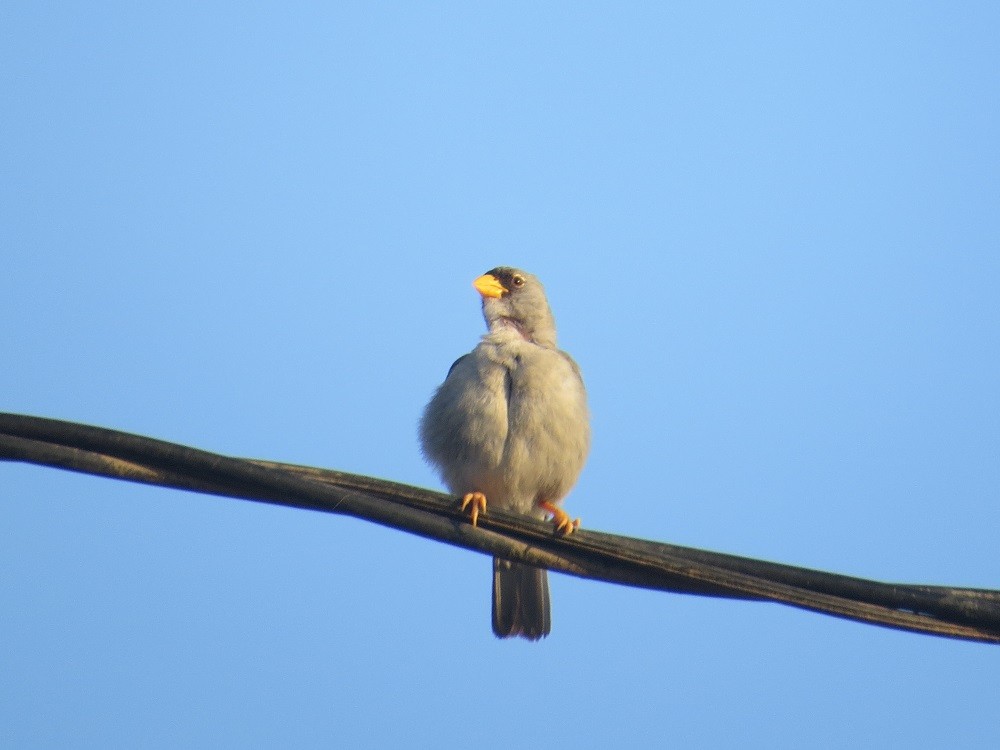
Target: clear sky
771 238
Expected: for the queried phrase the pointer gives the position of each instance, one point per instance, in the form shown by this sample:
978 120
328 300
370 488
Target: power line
971 614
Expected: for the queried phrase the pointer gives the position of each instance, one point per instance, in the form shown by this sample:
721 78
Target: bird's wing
455 364
572 363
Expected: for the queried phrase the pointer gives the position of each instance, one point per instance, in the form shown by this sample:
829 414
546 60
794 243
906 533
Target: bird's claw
563 523
476 503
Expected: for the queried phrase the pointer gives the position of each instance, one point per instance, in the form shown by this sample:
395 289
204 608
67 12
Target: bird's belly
520 435
545 450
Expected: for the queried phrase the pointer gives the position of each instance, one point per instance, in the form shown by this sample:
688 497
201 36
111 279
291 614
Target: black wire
972 614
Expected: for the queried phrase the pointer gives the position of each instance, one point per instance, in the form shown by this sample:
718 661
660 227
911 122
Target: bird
510 429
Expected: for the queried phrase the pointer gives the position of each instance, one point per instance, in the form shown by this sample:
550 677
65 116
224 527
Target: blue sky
770 237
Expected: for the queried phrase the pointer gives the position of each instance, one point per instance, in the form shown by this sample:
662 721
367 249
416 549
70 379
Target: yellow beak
489 286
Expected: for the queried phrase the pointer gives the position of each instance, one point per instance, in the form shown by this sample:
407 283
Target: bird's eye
518 281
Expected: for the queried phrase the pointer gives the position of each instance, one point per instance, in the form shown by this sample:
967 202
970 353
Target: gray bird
509 425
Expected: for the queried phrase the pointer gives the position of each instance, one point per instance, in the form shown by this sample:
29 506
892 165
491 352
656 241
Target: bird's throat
505 325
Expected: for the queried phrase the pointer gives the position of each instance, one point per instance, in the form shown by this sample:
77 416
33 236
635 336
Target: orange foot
560 518
476 503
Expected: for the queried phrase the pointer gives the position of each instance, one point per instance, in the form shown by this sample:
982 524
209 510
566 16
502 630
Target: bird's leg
476 503
564 525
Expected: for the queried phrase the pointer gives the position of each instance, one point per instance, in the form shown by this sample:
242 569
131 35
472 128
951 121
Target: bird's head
515 299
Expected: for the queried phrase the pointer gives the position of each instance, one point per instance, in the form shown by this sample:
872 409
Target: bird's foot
563 523
476 503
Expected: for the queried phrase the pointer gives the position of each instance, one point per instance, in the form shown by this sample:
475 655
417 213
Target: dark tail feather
520 600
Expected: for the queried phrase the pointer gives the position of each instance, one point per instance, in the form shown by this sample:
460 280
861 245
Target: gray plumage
510 421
